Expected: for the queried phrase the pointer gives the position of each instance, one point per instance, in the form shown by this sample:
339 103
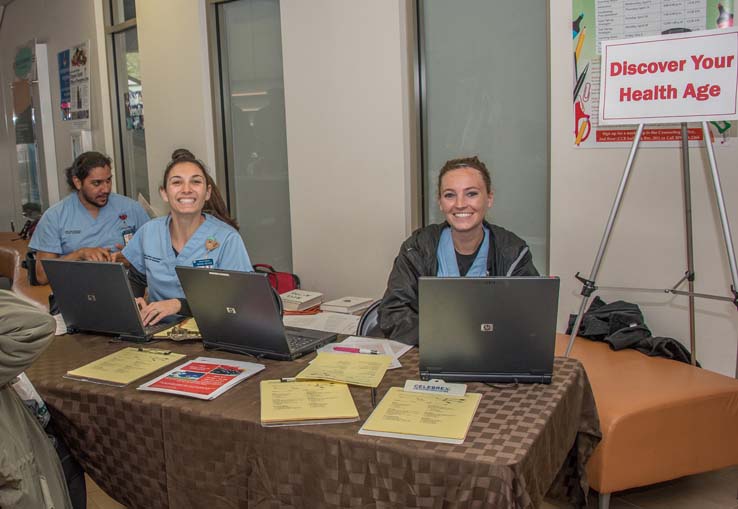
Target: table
156 450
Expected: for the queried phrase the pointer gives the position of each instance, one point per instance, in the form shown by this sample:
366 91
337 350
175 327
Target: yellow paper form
418 416
188 329
306 403
355 369
125 366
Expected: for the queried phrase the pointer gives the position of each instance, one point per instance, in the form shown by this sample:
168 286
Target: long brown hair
216 205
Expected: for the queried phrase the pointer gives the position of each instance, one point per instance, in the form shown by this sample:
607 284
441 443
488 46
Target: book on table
297 402
299 300
203 377
124 366
350 305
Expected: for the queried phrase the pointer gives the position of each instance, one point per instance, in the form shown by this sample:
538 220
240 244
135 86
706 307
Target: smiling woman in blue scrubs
197 232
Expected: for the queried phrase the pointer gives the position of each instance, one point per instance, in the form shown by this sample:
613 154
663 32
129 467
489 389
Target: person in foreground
31 475
197 232
90 222
464 245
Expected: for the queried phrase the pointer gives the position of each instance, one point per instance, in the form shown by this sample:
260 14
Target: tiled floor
713 490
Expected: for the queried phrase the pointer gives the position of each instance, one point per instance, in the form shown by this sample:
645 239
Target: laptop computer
493 329
239 312
97 297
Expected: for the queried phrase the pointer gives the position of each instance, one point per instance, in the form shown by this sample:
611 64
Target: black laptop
97 297
492 329
239 312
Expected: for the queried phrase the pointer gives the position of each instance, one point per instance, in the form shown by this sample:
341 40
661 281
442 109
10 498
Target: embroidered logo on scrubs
72 232
206 263
211 244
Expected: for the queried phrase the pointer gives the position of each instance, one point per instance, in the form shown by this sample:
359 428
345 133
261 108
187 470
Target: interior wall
345 68
175 76
60 24
647 247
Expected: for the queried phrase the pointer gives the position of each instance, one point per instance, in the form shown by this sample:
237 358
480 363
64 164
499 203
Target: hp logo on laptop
487 327
91 298
231 311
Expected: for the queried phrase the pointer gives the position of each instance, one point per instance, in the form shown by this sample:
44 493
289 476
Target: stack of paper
355 369
339 323
299 300
187 329
350 305
395 349
203 378
305 402
124 366
420 416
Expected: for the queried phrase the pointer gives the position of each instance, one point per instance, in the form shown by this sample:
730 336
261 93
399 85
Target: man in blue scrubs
89 223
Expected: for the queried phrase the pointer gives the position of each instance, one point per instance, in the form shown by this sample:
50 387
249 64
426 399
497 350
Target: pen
354 350
580 81
288 379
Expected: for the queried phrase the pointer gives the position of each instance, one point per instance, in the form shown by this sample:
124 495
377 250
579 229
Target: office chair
369 322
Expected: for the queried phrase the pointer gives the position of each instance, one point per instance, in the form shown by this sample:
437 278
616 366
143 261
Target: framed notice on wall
74 83
595 21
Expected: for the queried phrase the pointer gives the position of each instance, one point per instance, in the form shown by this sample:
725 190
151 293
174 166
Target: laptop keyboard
297 343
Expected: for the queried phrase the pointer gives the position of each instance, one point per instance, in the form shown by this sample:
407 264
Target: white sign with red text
688 77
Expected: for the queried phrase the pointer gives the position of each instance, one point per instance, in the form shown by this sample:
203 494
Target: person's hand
94 254
153 313
118 257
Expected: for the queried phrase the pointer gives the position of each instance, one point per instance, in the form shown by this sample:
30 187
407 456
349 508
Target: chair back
369 321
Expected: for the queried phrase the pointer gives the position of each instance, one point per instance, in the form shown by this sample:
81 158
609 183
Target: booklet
203 377
124 366
422 416
295 402
355 369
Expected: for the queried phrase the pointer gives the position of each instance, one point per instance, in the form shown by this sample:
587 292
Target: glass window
123 10
130 150
484 72
255 140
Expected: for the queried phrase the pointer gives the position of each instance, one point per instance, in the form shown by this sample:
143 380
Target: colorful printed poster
203 377
74 82
596 20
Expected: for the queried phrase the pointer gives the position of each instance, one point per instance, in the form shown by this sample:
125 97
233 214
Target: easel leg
589 284
690 246
727 237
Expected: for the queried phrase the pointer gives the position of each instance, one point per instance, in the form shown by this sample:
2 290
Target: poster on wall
594 21
74 83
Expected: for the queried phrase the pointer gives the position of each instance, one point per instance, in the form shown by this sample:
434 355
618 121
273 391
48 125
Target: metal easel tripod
589 285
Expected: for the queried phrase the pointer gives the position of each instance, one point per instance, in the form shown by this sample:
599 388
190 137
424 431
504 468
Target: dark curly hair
466 162
82 166
216 205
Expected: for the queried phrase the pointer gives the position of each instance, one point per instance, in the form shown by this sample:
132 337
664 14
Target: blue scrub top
214 244
68 225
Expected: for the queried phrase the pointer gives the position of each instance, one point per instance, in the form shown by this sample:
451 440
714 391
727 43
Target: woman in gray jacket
31 475
465 245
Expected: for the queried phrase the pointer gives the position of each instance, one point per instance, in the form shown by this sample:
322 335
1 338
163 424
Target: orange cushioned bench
12 252
660 419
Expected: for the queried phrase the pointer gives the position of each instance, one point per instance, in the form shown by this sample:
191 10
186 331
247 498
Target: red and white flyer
203 377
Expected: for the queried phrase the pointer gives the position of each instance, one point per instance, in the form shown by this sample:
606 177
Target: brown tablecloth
154 450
